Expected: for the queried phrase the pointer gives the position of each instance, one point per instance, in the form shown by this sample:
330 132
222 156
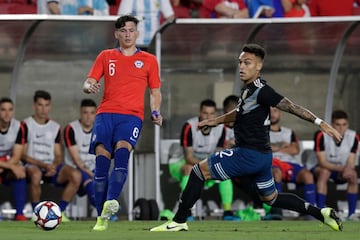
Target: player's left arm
288 106
291 148
155 104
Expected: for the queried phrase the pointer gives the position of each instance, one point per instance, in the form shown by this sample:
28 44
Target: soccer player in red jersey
127 72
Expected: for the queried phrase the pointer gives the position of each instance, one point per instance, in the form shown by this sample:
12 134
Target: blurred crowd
188 8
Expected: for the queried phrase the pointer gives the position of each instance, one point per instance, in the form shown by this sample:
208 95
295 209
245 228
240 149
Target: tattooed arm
288 106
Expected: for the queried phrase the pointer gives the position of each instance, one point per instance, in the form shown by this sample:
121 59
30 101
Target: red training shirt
125 80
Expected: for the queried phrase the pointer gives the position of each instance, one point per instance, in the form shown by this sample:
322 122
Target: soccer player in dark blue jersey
252 154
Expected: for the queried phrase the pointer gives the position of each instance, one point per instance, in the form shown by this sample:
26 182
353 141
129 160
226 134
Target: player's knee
204 167
196 170
269 199
123 144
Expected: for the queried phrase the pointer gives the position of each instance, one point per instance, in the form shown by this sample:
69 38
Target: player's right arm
91 86
26 158
17 169
225 118
72 147
291 148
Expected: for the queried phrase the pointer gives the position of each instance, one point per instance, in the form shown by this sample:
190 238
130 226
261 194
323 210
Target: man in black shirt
252 155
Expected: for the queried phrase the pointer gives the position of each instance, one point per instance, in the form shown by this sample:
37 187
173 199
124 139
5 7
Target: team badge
138 64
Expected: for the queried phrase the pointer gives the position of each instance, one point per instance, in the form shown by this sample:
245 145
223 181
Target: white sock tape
318 121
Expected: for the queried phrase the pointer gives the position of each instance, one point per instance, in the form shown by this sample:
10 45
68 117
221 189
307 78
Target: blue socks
110 188
63 204
101 181
19 195
352 201
321 200
119 173
309 193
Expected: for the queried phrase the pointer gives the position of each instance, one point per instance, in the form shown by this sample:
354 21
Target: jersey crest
138 64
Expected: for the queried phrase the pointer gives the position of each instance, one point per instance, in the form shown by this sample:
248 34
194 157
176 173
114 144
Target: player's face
207 112
249 67
87 116
127 35
275 115
42 108
6 112
341 125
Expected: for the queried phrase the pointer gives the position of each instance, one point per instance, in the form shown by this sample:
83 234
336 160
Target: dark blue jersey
252 123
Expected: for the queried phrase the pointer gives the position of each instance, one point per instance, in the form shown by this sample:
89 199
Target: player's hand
332 132
347 172
205 125
19 171
92 87
156 118
50 170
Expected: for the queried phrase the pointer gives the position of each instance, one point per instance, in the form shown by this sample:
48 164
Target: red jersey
331 7
125 80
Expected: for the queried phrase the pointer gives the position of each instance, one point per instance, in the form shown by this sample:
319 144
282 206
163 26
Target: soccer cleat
110 208
353 217
20 217
170 226
101 224
332 219
64 218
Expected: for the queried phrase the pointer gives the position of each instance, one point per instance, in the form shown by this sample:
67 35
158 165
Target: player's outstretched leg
110 208
171 226
332 219
292 202
189 197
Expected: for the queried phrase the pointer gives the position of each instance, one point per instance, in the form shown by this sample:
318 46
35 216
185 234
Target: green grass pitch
199 230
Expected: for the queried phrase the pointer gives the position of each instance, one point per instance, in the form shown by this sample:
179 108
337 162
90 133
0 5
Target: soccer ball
47 215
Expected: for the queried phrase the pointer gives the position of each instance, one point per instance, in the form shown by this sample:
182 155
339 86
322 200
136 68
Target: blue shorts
109 128
334 175
84 177
239 162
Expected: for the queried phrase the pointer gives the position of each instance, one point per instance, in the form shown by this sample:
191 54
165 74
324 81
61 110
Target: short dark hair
207 103
338 114
120 22
230 99
42 94
87 102
6 100
255 49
